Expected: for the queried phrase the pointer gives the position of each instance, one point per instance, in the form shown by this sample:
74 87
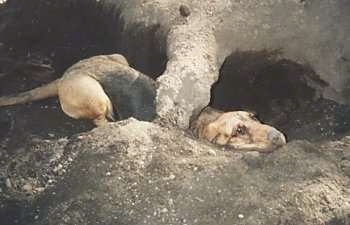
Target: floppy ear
228 126
221 130
253 113
210 132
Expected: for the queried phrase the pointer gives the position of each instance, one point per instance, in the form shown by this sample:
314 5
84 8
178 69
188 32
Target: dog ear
253 114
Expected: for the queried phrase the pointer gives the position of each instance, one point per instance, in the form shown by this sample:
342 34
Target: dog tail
46 91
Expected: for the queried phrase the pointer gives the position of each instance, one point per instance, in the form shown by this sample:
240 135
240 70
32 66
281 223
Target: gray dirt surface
163 175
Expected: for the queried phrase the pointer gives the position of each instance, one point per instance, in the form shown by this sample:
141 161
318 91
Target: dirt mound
159 175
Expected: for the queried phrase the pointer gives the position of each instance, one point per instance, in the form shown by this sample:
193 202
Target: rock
184 10
8 183
28 188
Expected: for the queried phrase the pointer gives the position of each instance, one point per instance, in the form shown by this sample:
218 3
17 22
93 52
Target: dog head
240 130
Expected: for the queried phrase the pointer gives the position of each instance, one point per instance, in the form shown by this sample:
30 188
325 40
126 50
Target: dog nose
276 137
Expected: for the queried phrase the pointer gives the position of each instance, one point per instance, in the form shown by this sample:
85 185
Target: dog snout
276 137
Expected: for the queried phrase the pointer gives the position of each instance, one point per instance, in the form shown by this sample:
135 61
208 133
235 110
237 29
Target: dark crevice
284 93
67 31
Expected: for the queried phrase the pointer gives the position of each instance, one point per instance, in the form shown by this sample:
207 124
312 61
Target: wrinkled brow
244 117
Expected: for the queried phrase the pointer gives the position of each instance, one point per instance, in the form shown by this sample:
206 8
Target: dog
105 88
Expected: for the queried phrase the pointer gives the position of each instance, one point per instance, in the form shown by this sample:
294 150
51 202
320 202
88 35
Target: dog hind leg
82 97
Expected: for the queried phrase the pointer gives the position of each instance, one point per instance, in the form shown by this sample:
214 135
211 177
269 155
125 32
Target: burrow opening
283 93
64 32
54 34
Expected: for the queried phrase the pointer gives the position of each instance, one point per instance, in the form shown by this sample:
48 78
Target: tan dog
237 129
86 89
103 87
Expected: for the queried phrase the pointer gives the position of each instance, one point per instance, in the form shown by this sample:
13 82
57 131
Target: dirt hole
283 93
54 34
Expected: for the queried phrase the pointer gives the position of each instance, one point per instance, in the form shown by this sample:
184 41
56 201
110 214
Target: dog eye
241 130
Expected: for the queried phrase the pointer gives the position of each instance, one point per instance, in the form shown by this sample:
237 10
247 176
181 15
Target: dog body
93 88
104 88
